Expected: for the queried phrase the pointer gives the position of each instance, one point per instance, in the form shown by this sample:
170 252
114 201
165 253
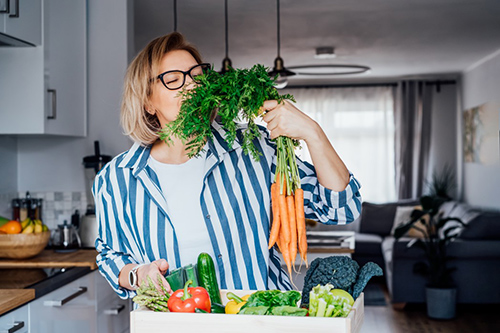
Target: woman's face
163 102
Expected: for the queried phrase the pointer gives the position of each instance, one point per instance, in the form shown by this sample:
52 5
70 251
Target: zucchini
207 277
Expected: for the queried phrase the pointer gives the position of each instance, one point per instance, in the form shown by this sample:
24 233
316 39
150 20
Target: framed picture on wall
482 134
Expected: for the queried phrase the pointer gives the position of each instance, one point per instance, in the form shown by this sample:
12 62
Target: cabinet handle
7 7
16 6
53 114
17 326
114 311
80 291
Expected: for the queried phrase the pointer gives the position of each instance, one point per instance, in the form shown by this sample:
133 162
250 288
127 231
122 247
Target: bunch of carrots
288 228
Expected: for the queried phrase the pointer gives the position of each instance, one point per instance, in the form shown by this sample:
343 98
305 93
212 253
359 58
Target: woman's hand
284 119
155 270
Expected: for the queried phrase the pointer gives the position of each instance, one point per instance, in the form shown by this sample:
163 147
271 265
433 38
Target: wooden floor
470 318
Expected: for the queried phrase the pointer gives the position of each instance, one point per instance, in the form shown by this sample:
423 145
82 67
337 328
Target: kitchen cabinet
87 304
15 321
43 89
21 20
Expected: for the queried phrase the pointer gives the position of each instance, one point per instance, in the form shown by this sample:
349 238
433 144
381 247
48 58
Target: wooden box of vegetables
145 320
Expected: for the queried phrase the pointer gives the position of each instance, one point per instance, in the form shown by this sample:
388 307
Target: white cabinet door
43 89
16 321
71 308
113 316
65 51
24 20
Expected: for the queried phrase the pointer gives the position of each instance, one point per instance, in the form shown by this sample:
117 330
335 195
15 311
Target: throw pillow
403 215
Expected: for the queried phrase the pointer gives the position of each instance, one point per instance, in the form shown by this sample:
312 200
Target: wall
54 164
481 84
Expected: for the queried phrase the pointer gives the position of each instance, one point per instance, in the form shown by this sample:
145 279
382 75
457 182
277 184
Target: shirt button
219 256
208 216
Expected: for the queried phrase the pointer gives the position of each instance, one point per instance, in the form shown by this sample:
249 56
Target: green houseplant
436 233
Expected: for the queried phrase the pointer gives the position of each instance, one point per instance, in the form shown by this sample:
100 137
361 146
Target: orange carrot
293 227
285 223
285 251
273 235
301 223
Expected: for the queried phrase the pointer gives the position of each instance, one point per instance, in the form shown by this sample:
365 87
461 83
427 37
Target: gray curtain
412 118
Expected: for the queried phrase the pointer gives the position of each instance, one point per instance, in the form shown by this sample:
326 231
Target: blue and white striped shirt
134 225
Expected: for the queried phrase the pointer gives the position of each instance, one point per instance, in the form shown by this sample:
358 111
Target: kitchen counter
23 280
52 259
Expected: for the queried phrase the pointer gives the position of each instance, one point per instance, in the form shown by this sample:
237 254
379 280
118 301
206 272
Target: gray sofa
475 253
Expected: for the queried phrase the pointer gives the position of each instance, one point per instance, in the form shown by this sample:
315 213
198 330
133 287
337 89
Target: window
360 124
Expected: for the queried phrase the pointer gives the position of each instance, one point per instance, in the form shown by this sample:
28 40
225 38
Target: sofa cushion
485 226
378 218
368 244
403 215
458 210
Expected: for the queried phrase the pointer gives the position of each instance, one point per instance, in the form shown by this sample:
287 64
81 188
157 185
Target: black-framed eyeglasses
173 80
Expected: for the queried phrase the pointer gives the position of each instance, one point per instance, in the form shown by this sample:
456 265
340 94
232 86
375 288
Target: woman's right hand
155 270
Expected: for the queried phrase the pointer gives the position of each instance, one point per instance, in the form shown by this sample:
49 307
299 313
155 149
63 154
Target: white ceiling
396 38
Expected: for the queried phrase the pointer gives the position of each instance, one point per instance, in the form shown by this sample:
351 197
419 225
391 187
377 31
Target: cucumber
207 278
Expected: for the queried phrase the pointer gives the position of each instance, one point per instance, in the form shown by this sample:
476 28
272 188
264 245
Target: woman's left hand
285 119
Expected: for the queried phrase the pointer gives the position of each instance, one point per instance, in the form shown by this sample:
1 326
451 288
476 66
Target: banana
26 222
29 229
38 222
45 228
38 228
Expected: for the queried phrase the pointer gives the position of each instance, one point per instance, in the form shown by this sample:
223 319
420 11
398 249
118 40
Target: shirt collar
137 156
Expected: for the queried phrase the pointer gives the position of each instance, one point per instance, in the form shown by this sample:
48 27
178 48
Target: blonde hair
137 123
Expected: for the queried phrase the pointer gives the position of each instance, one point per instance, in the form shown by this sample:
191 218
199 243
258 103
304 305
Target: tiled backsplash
56 206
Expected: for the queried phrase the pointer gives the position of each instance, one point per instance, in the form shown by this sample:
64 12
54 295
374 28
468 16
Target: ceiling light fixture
325 52
330 69
279 67
226 63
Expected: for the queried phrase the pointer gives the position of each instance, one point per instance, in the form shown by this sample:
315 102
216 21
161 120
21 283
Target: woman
157 209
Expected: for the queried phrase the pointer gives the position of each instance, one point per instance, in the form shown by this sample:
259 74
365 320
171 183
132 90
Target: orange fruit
12 227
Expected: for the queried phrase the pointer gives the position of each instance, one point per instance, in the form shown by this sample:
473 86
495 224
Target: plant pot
441 302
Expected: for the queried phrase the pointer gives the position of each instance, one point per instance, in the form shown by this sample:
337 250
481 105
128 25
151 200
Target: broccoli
340 271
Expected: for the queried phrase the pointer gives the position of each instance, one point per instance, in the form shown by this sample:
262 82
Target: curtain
359 122
412 137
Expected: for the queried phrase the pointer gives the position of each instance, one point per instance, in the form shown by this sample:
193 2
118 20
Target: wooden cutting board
12 298
51 259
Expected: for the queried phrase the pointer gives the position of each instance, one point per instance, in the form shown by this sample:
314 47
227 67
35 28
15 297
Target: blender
88 225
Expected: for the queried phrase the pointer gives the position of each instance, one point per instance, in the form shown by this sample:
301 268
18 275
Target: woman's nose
189 84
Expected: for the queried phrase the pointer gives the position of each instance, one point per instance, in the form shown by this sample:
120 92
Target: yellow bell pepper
235 303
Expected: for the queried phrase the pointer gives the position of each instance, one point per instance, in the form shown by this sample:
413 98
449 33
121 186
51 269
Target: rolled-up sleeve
325 205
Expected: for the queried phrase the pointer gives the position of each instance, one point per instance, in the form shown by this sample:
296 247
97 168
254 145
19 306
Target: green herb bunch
236 96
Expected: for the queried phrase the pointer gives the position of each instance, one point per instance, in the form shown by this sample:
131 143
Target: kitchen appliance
66 238
88 225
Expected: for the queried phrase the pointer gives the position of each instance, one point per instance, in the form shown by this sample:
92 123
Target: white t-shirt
181 185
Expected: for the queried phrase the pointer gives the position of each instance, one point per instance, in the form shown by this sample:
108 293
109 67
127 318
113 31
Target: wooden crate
143 320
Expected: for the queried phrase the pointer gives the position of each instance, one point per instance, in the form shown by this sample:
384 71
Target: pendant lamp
279 69
226 63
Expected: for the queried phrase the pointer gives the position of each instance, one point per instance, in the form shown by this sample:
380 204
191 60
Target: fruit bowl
22 246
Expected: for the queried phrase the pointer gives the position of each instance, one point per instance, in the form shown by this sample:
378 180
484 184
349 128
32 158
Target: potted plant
436 235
